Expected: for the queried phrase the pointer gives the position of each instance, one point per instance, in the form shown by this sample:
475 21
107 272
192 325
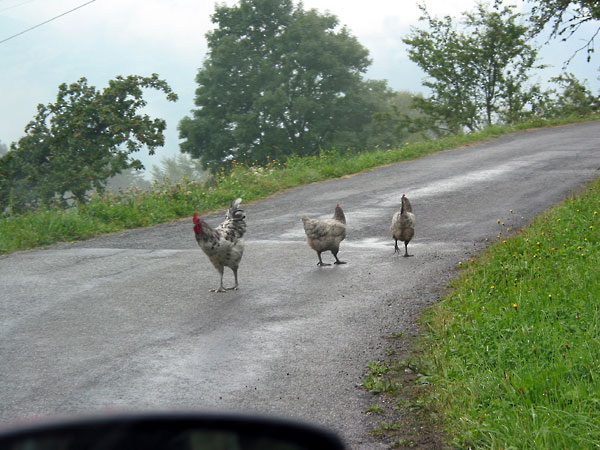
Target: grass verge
118 211
512 355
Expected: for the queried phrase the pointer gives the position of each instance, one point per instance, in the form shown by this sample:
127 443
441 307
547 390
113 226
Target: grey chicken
326 234
403 225
223 245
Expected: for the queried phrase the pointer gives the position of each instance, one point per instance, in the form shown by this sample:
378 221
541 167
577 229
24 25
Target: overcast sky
106 38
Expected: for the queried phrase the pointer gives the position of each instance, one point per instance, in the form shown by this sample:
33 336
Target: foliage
177 168
566 18
278 80
75 144
477 75
128 178
515 348
574 99
131 208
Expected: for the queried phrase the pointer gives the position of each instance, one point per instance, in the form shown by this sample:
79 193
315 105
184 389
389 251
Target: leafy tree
574 98
128 178
566 17
400 120
75 144
277 80
476 74
176 168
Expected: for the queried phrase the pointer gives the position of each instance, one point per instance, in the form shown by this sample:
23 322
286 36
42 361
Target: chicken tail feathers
235 221
339 214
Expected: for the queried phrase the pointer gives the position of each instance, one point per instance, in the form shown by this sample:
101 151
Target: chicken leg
321 263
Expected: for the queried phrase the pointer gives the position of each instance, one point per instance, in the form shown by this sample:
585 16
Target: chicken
326 234
403 225
223 245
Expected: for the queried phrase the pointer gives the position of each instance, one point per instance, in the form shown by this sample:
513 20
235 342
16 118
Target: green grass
514 350
118 211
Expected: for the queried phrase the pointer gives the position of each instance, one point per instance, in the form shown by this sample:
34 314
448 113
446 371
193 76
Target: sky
105 38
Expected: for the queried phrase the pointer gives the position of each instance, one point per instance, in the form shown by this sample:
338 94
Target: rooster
403 225
223 245
326 235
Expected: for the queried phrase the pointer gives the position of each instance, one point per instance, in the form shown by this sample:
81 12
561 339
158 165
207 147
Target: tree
573 98
128 179
277 80
476 74
87 136
3 149
176 168
566 18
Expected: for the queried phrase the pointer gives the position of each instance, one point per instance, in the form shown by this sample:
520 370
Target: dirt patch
404 420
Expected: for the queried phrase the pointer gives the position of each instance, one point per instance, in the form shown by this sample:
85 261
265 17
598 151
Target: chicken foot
397 249
337 261
321 263
224 289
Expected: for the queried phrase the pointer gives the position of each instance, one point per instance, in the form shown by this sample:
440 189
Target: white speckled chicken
403 225
223 245
326 234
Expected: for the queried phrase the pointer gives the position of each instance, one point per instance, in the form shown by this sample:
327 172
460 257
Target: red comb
338 204
195 219
403 195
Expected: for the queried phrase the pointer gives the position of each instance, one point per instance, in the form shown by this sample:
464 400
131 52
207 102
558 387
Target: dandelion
492 287
508 229
595 213
498 221
550 296
558 220
579 247
460 263
510 211
591 227
514 305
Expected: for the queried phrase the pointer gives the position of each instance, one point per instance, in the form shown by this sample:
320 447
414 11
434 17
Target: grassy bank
117 211
511 356
515 349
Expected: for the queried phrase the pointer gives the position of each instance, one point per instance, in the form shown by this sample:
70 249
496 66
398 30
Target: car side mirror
170 431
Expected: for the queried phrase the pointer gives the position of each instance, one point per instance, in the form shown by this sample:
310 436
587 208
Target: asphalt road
126 321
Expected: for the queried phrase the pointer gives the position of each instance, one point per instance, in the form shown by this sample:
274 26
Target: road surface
126 321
